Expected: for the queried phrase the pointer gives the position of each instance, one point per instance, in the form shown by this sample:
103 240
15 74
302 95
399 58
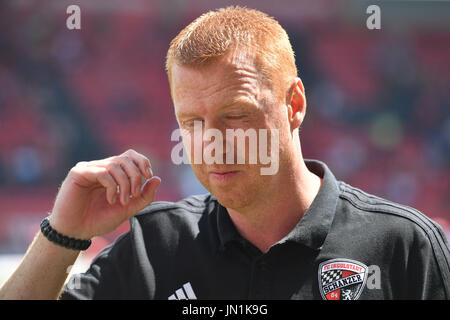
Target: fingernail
149 171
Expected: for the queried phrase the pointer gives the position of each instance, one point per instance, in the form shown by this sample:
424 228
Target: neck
269 221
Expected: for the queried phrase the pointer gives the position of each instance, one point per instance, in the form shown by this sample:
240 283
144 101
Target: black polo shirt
348 245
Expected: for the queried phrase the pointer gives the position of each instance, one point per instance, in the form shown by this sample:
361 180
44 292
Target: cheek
190 141
281 147
279 119
201 174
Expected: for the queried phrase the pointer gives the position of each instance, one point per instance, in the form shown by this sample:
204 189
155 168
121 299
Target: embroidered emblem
342 279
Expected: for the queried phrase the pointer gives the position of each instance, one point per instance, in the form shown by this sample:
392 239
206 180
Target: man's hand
97 196
94 199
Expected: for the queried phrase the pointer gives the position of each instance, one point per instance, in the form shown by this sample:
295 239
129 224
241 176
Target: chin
234 193
232 199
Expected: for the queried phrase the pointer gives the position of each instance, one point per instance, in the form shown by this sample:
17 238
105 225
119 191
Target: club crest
342 279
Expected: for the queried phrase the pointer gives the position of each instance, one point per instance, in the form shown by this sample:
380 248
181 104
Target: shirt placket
259 288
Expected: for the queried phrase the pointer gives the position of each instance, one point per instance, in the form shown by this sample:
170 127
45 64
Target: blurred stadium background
378 100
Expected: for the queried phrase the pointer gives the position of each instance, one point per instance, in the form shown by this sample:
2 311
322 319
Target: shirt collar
312 228
227 230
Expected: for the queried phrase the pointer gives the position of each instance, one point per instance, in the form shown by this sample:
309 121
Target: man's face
229 94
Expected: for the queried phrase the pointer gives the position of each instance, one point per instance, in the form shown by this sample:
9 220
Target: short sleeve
105 278
428 265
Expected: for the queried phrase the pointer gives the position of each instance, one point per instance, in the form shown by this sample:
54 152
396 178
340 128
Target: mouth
222 176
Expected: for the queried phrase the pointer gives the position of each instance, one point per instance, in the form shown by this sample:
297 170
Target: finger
107 181
141 161
86 175
133 173
147 196
149 191
121 178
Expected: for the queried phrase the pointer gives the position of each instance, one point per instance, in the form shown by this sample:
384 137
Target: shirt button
262 266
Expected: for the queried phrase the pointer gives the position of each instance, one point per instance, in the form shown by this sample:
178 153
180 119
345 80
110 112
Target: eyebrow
242 100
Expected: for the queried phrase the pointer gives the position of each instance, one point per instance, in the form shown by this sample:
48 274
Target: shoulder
396 225
403 219
401 240
193 206
164 218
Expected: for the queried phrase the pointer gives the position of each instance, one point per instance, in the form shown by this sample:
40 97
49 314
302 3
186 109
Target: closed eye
234 117
191 123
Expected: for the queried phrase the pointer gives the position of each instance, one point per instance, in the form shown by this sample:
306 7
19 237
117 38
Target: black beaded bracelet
62 240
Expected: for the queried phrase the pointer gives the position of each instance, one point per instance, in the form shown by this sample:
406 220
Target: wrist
66 227
61 239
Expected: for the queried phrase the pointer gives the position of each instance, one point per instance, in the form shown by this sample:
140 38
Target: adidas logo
184 293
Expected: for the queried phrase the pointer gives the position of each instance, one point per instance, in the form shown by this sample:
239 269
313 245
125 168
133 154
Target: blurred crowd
378 106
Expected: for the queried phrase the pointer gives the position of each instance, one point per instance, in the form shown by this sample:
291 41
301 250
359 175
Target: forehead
229 77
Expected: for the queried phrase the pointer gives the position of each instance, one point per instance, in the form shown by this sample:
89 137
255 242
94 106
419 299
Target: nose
215 145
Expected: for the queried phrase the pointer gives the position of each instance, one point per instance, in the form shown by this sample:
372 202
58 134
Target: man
295 234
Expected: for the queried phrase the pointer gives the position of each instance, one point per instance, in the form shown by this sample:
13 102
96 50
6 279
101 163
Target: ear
296 102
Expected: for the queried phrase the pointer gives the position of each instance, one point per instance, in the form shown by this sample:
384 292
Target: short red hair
214 33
